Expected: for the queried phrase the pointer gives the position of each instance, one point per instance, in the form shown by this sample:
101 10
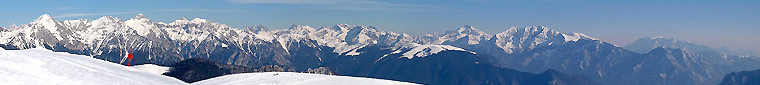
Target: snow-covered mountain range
163 42
465 54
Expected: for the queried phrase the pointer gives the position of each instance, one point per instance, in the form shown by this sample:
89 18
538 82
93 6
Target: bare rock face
742 78
321 70
270 68
196 69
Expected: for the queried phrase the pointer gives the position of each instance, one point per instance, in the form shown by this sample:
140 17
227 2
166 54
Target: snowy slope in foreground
291 78
39 66
152 68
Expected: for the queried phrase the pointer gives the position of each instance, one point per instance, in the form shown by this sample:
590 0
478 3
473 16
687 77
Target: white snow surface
426 50
516 39
473 35
292 78
39 66
140 24
152 68
576 36
345 39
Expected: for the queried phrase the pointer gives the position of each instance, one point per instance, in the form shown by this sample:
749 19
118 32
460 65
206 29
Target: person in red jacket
129 56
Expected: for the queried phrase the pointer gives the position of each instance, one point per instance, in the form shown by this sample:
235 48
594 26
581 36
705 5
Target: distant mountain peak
301 29
656 37
466 35
182 20
516 39
342 27
140 15
44 17
643 45
257 28
576 36
470 30
199 20
46 21
107 18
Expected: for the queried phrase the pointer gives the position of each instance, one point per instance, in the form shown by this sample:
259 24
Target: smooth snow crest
426 50
575 37
152 68
291 78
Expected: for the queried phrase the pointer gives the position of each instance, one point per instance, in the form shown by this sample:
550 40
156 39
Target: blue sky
717 23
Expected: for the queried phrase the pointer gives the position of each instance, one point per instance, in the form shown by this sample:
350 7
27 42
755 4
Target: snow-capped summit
343 27
48 23
179 21
199 20
105 20
346 39
576 36
466 35
516 39
302 29
511 40
45 19
142 25
468 29
140 15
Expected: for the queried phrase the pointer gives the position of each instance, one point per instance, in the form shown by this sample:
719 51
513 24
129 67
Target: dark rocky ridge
196 69
742 78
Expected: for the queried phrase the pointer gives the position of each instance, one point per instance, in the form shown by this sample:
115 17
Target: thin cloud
91 14
300 1
319 2
340 4
200 10
64 8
